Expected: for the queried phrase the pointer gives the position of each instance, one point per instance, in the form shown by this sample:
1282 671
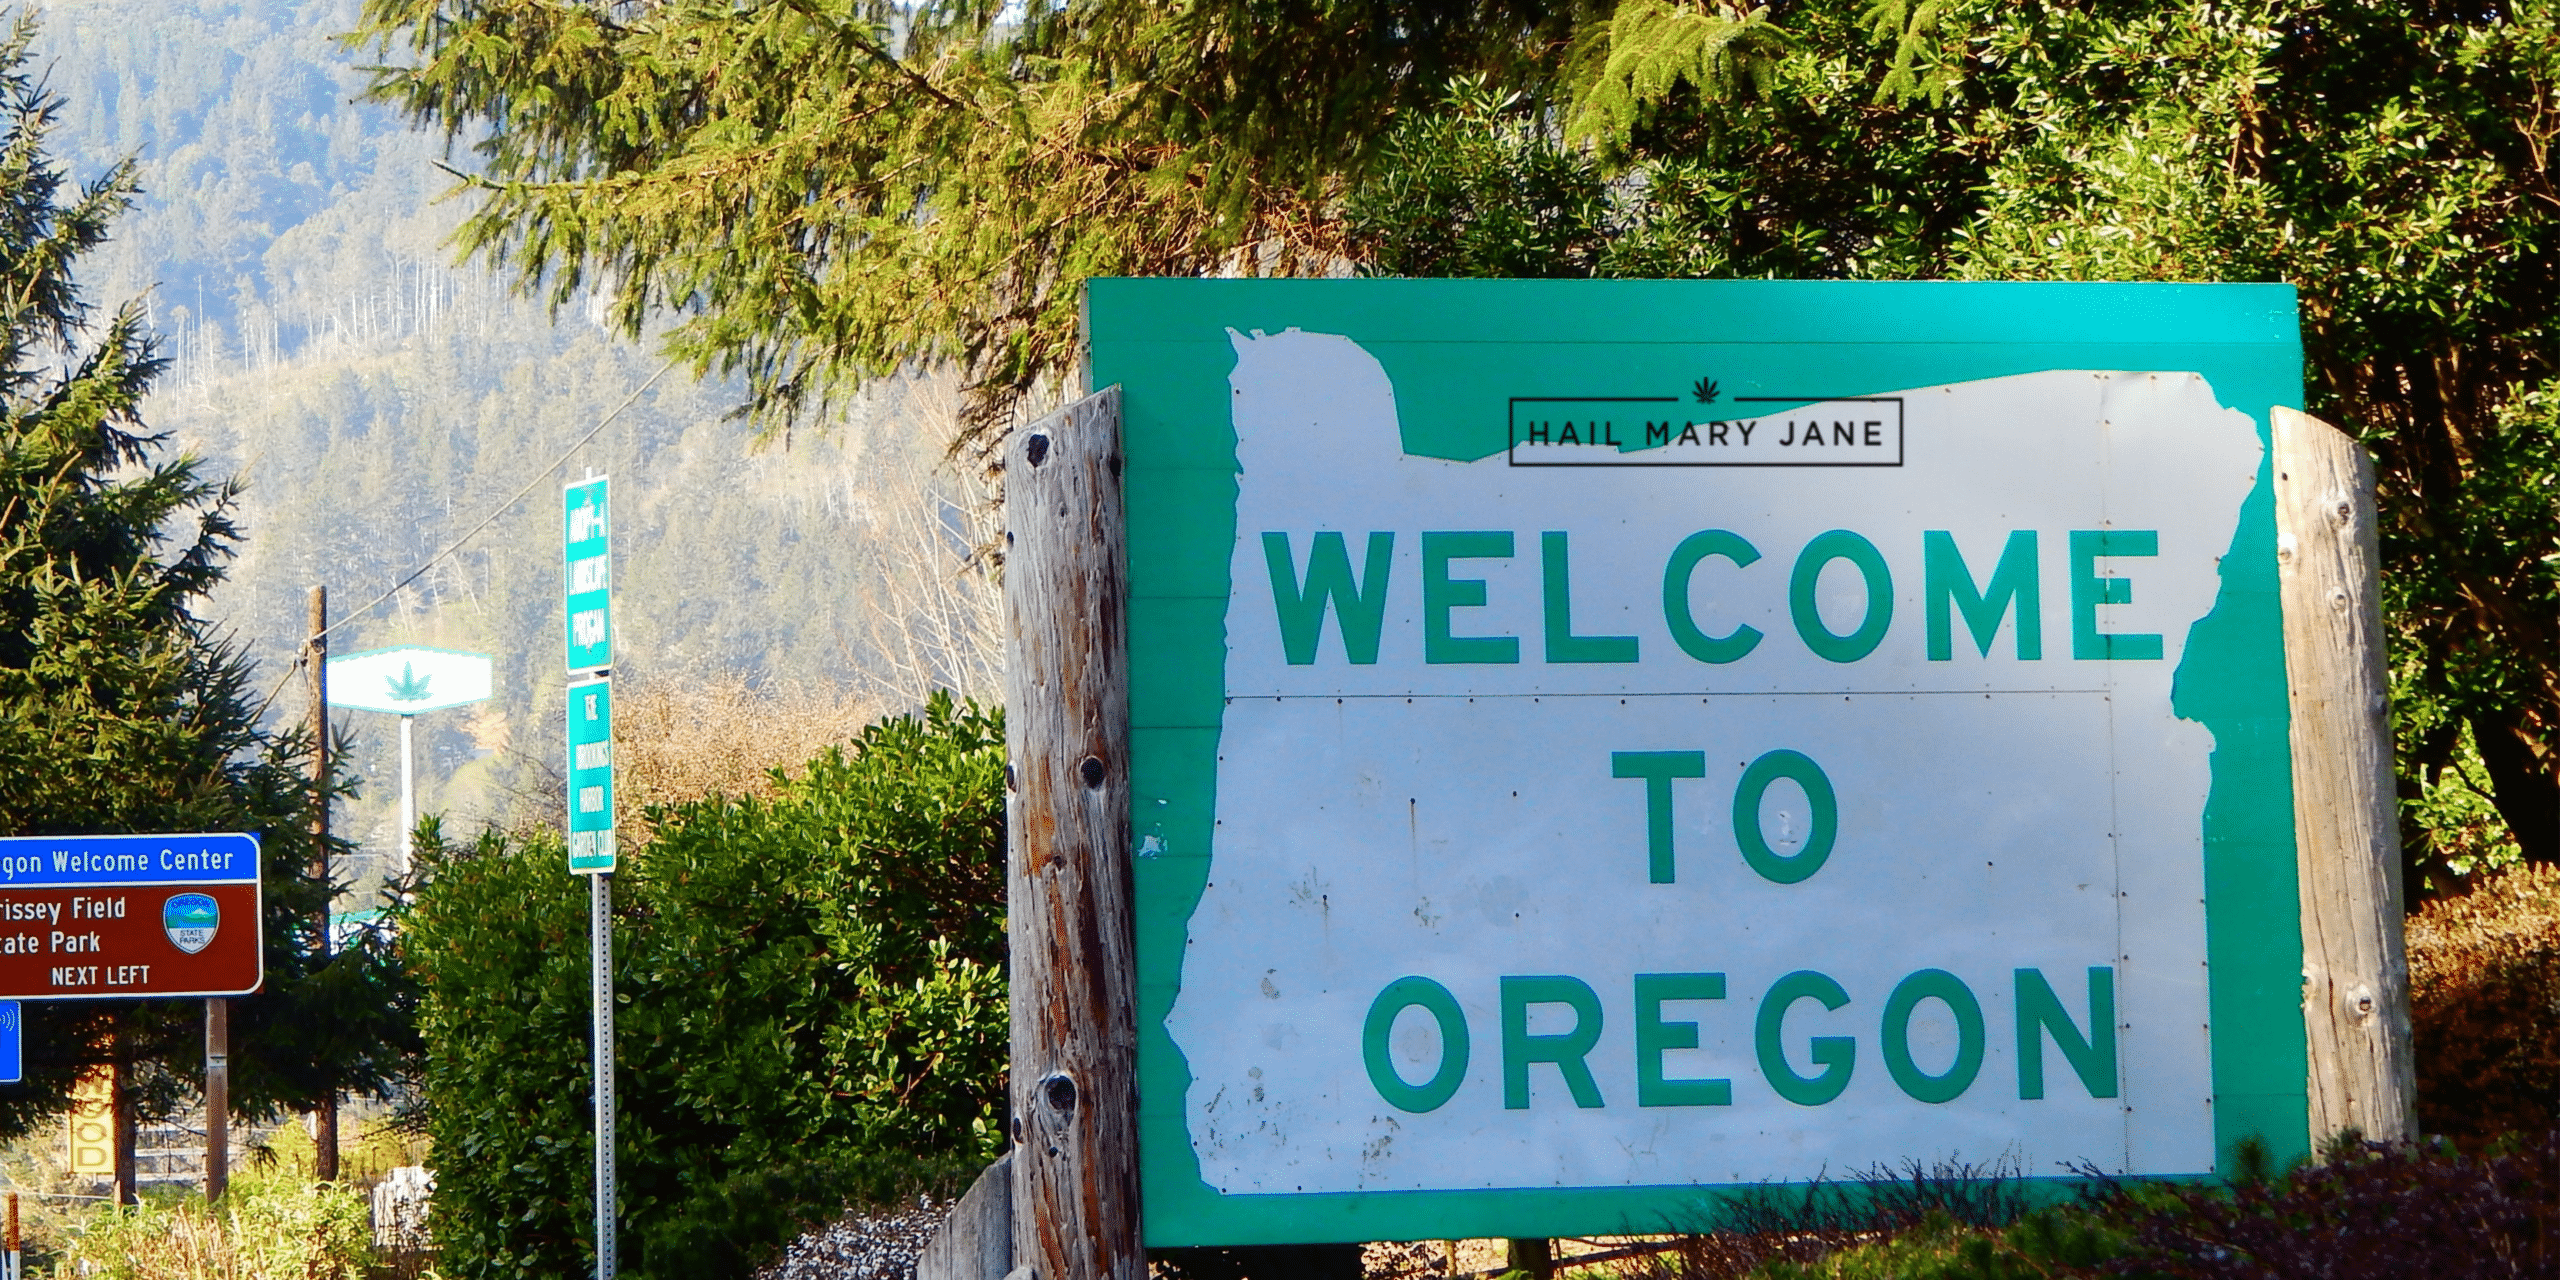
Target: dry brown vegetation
2484 996
679 740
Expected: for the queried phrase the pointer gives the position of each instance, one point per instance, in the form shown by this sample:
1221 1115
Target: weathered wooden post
324 1114
1073 979
217 1098
2363 1074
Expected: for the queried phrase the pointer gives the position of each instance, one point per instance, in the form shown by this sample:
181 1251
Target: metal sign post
600 939
408 792
587 566
217 1098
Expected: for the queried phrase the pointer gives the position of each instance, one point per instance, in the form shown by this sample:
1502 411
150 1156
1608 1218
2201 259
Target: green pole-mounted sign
591 847
587 551
1596 745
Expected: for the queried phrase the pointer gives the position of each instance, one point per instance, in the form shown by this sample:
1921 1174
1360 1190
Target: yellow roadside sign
93 1124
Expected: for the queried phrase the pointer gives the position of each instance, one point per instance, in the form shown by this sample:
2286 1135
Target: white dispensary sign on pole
1595 744
410 679
406 681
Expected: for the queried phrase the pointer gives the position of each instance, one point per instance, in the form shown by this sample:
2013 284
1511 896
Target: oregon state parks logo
191 920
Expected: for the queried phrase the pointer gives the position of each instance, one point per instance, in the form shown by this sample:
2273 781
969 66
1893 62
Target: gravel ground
859 1246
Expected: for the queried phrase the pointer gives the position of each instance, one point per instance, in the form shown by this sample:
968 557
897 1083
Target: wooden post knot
1092 771
2361 1000
1059 1091
1036 449
2284 550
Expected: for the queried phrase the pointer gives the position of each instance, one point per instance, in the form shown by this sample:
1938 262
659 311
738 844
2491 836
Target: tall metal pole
408 793
600 907
217 1098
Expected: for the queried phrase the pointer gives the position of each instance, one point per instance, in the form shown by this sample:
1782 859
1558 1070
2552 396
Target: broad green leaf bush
810 999
279 1228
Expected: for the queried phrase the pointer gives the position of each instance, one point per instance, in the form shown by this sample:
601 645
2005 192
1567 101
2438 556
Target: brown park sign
104 917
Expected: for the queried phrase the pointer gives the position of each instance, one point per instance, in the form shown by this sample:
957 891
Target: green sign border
1165 343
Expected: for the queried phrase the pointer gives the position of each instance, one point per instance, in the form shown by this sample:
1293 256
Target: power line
457 544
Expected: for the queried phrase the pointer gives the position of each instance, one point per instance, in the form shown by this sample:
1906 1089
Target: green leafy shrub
810 1003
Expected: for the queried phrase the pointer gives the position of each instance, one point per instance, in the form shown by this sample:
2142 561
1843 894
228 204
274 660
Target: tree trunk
2520 782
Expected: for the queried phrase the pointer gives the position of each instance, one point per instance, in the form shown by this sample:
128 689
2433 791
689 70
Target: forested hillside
379 402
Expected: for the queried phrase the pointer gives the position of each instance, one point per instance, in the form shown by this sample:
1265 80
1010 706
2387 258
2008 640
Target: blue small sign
13 1043
42 862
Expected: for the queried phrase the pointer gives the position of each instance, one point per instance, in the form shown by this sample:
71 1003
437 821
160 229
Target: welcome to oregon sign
1598 743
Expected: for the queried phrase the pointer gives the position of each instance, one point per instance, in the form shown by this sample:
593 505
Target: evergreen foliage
121 710
1656 47
826 190
2394 165
811 1009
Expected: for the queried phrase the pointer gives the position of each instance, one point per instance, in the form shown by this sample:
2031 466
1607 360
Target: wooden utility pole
217 1098
2355 992
1073 962
120 1086
1533 1258
315 657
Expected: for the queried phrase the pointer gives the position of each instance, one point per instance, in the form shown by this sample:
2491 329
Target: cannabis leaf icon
1705 390
409 686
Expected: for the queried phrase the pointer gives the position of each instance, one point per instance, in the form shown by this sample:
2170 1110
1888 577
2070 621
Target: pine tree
121 710
816 192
